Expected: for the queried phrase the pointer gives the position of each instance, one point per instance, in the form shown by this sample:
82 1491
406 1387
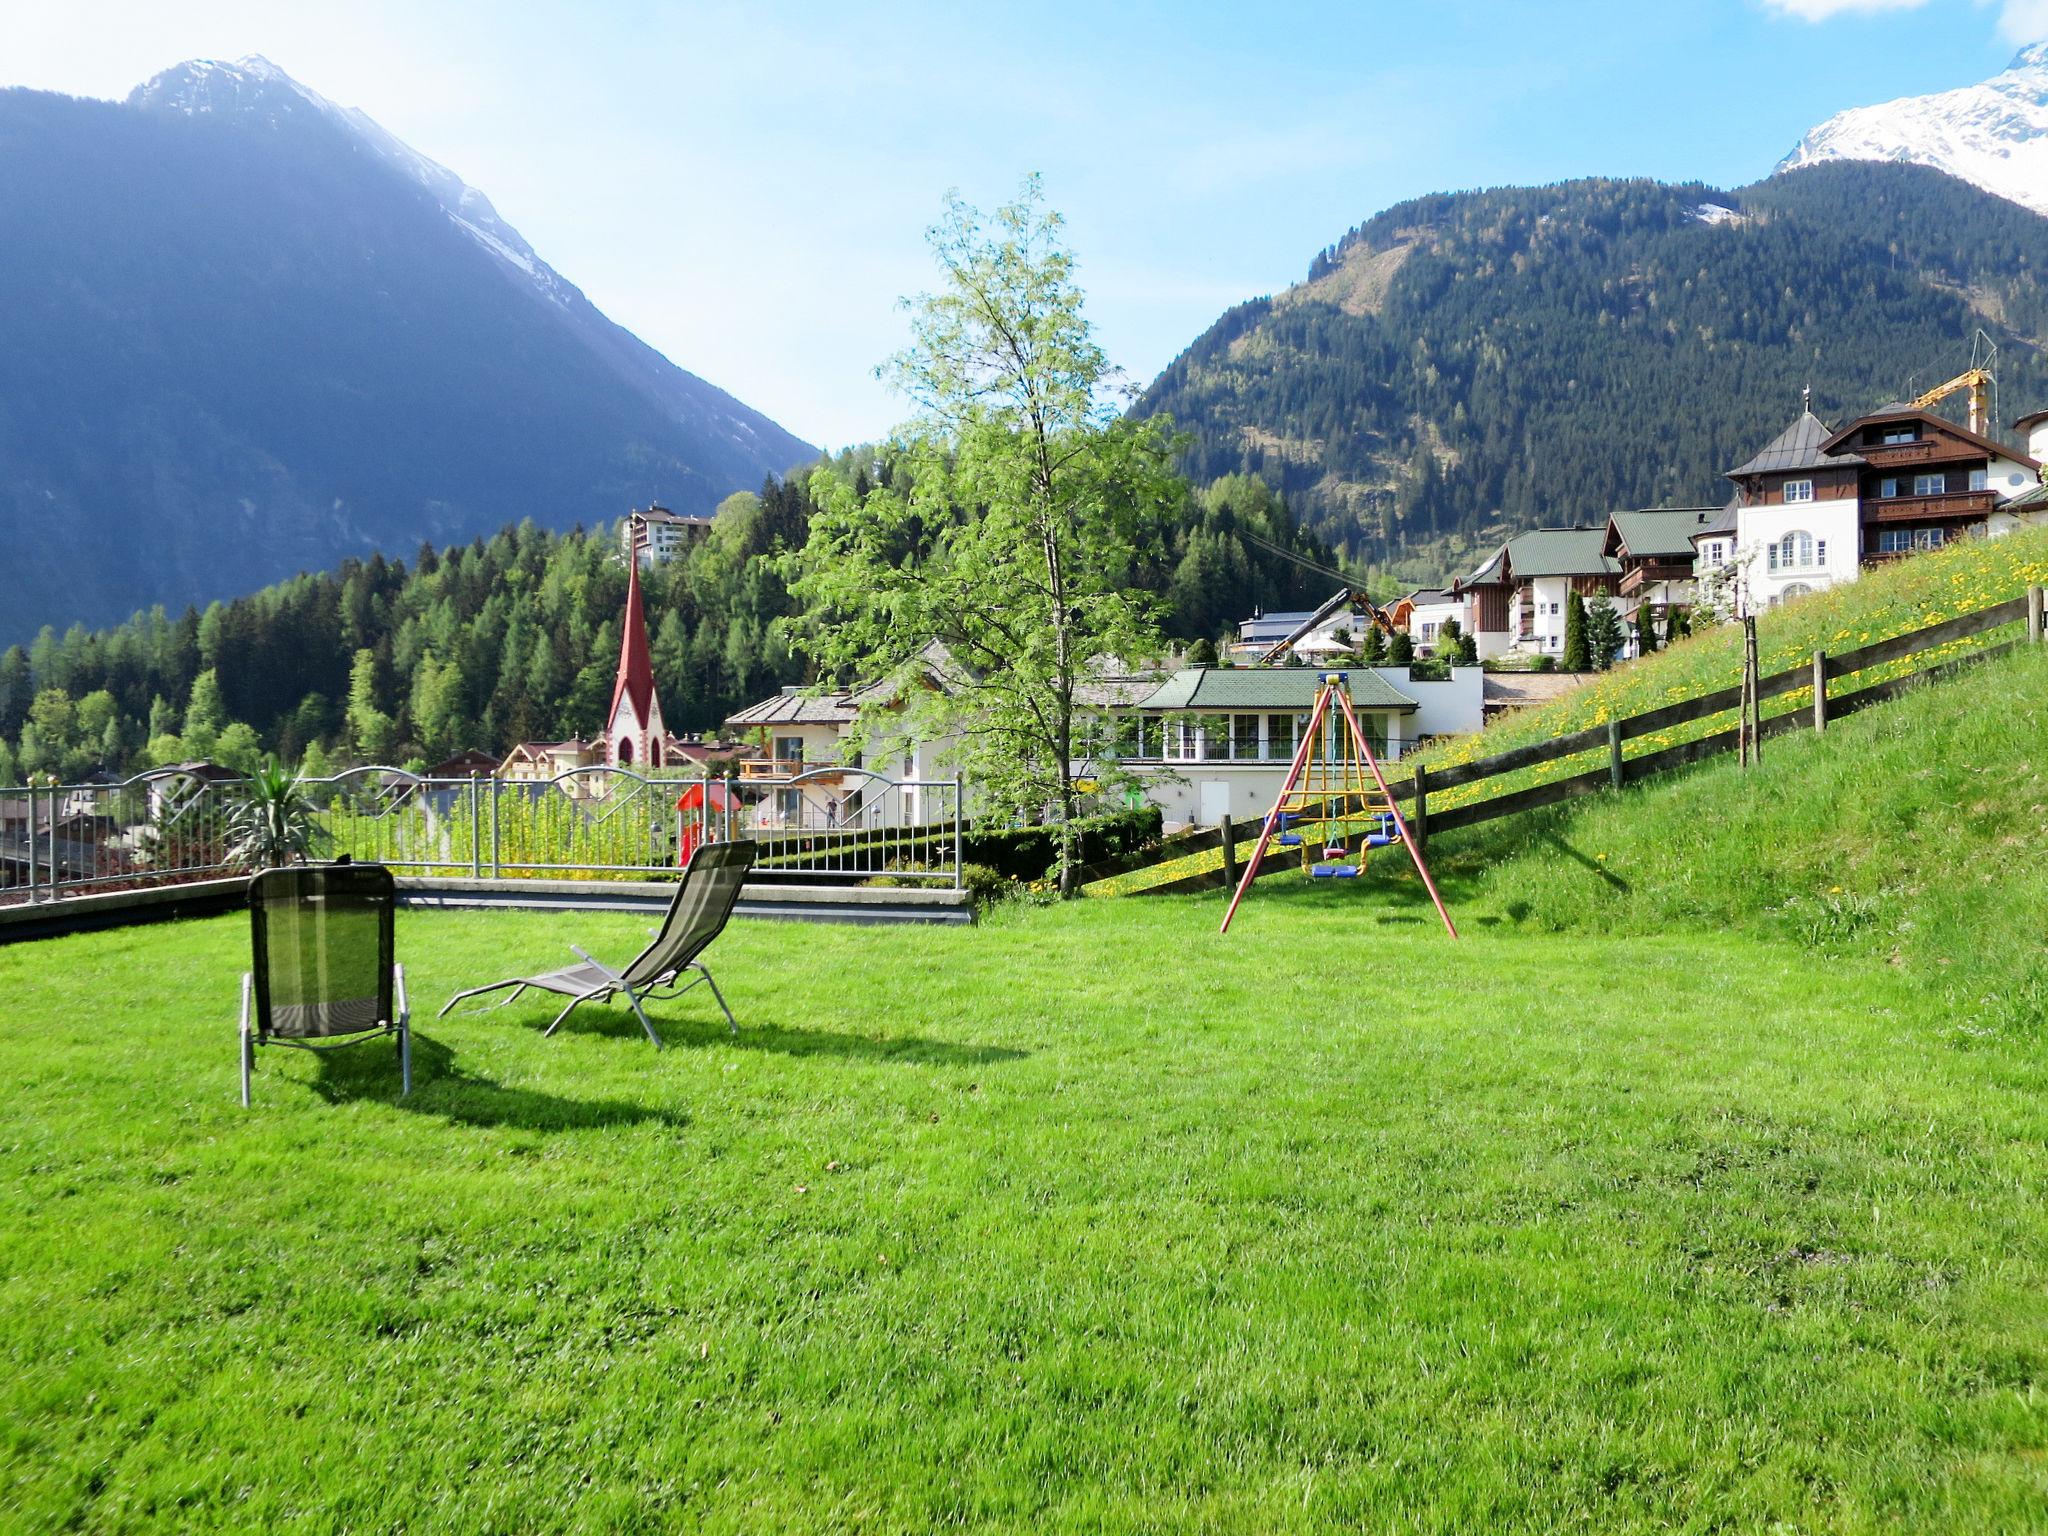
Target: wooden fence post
1748 730
1820 690
1421 826
1229 855
1614 753
2034 596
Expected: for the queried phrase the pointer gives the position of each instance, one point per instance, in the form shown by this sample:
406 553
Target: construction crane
1347 594
1977 381
1980 379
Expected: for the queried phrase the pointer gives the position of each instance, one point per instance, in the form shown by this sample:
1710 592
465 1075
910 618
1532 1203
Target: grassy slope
1086 1219
1890 600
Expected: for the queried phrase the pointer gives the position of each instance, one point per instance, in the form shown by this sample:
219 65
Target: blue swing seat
1289 839
1333 872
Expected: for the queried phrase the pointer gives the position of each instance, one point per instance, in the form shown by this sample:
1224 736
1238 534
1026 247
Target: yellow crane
1977 381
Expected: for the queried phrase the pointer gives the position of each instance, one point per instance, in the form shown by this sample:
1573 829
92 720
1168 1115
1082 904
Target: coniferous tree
1578 656
1401 649
1604 633
1646 630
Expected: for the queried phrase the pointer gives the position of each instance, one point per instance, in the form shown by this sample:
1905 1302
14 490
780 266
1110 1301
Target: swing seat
1289 839
1334 872
1381 840
1335 851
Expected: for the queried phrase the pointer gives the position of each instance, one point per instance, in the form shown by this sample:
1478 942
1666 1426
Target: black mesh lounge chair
323 969
703 901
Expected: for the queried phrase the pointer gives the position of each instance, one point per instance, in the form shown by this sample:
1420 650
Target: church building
634 736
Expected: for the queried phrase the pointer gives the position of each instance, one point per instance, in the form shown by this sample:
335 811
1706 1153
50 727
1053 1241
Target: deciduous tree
995 560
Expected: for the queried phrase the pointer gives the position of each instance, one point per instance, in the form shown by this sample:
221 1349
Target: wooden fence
1619 769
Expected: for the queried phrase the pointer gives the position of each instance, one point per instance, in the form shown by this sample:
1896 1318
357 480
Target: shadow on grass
1592 865
440 1087
618 1022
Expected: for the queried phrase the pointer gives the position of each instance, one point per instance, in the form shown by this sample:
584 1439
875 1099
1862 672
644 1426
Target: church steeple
633 732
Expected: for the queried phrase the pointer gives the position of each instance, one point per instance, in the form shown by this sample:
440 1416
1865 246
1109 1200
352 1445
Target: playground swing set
1336 801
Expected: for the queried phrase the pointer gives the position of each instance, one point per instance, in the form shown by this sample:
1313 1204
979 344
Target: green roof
1560 552
1214 690
1661 530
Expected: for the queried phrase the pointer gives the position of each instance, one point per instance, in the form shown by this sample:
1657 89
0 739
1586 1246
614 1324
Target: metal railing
170 826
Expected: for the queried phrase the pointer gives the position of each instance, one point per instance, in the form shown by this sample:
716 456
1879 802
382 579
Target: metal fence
174 825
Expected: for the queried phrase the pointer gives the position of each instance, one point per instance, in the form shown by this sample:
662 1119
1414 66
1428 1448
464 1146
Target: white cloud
2019 21
2023 21
1827 10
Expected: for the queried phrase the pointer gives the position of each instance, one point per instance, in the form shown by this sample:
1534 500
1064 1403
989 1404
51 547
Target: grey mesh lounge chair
323 969
703 901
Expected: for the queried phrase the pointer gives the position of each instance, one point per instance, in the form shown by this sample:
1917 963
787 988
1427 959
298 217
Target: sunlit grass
1086 1219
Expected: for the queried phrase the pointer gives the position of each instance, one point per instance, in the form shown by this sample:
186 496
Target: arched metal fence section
833 825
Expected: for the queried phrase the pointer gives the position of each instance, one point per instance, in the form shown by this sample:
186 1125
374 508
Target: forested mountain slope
246 333
1482 362
516 637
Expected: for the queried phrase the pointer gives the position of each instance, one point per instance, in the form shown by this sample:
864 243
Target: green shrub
1022 853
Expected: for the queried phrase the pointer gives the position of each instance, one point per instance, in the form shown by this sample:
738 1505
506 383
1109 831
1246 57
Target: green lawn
1083 1220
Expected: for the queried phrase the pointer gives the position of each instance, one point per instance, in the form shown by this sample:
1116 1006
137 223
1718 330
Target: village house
1654 548
1335 629
1211 742
658 535
1817 504
1519 595
1424 612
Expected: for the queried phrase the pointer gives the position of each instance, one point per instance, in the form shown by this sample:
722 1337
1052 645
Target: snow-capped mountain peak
254 87
1993 135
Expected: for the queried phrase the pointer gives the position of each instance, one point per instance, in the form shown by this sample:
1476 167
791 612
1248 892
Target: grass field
1082 1220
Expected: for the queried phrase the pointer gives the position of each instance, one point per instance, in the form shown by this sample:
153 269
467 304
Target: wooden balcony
1650 572
1924 509
763 768
1885 455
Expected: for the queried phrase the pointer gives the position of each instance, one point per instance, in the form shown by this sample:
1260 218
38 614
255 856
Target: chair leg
645 1023
732 1024
248 1045
517 988
574 1003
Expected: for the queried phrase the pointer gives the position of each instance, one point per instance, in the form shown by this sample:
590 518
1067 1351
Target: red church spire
640 725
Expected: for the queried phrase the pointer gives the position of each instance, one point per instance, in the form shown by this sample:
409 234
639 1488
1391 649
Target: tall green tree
996 560
1646 630
1578 655
1604 633
371 732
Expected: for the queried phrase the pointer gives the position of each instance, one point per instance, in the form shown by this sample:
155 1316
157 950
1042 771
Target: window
1930 485
1215 738
1280 736
1151 736
1428 633
1798 490
1888 486
1795 589
1900 435
1980 479
1244 736
1553 610
1794 552
789 752
1903 541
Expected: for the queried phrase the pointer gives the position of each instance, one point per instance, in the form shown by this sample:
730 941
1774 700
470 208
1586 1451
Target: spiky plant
273 823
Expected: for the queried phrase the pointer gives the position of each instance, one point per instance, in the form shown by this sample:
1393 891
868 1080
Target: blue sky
746 186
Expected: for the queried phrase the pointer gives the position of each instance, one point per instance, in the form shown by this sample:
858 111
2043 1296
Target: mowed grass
1087 1219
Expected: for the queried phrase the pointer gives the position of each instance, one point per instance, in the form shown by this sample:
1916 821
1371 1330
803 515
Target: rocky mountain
248 331
1463 366
1993 135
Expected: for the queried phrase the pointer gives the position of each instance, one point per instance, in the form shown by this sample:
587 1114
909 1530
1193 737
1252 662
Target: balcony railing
1914 509
1650 571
